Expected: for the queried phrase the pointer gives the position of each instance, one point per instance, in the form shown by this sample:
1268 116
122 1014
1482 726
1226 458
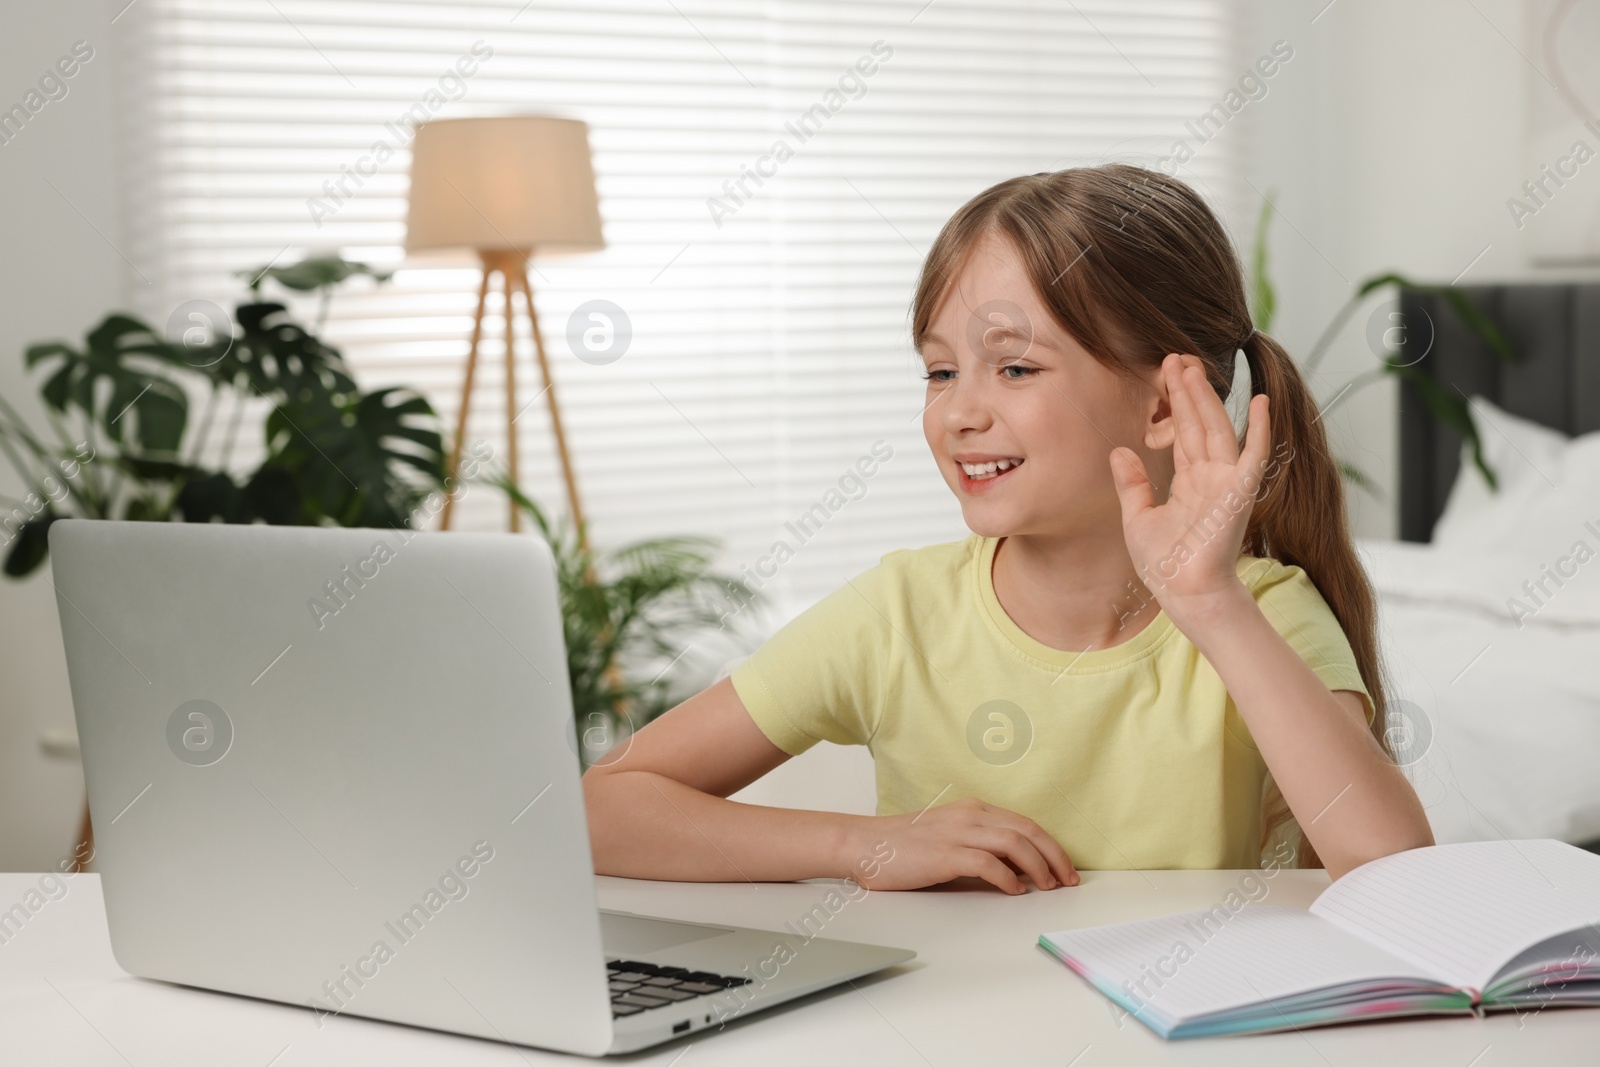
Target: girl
1155 649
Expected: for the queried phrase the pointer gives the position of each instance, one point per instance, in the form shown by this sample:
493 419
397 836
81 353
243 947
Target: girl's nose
964 406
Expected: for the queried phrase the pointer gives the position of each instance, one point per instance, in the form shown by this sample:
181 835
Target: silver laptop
338 769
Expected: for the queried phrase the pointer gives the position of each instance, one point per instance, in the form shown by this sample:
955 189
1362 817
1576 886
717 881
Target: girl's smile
982 473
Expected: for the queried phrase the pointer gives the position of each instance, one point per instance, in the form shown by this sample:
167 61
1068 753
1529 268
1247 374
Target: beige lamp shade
522 182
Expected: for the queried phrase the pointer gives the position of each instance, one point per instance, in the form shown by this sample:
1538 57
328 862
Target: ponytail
1301 521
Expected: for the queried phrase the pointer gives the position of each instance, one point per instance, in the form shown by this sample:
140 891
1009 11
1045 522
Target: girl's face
1007 386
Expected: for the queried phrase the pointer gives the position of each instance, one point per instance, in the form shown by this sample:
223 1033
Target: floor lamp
505 188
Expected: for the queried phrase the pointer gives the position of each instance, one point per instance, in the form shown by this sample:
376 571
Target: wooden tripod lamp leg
613 672
466 399
506 273
85 841
555 409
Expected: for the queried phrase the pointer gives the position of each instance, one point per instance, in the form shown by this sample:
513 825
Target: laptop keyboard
638 986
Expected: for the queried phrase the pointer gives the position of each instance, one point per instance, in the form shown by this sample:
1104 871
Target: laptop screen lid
337 768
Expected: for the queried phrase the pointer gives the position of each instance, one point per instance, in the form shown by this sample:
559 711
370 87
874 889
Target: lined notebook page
1261 952
1462 911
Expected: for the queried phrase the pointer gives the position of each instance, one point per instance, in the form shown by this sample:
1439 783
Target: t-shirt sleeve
820 676
1296 609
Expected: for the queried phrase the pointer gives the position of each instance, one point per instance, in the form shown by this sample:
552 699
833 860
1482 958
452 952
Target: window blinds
767 292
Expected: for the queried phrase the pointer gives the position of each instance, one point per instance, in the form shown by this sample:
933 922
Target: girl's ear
1160 430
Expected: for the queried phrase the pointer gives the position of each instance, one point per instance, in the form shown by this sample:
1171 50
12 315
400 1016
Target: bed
1489 606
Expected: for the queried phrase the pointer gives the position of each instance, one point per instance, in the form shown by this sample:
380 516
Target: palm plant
624 612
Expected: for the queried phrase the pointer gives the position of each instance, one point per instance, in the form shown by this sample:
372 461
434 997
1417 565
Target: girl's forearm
1352 802
646 825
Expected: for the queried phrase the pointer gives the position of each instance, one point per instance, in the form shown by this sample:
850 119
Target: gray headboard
1555 329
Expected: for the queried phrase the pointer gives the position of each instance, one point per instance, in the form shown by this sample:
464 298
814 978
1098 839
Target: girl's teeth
980 471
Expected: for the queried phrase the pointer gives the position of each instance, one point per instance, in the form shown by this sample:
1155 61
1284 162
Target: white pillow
1549 488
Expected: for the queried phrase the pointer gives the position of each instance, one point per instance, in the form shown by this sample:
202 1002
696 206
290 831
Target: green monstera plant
120 442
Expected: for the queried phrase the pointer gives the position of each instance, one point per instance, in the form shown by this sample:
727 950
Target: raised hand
1186 550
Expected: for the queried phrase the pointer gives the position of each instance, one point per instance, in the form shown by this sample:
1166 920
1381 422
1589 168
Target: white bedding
1495 710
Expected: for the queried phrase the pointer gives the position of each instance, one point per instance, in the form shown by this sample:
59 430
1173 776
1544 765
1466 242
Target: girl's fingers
1190 436
1012 846
1134 490
1048 847
1257 436
976 863
1060 863
1222 441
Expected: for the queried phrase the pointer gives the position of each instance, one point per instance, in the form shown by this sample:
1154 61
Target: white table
979 992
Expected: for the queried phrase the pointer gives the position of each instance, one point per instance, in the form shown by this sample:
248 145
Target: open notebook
1481 926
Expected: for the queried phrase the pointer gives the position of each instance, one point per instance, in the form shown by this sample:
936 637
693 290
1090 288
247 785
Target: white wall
57 278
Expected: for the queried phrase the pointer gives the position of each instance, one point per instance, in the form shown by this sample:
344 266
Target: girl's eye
1025 372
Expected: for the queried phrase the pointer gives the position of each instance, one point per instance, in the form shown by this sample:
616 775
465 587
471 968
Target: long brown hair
1133 264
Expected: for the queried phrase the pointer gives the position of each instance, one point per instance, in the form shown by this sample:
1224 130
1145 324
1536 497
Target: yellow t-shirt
1131 756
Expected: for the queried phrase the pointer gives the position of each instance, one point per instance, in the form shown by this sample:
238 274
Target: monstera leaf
346 457
133 406
316 272
30 546
273 355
